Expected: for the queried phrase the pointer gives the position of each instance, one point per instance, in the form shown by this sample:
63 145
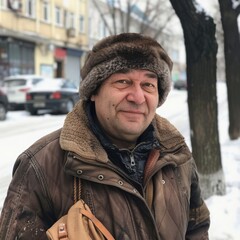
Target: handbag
78 224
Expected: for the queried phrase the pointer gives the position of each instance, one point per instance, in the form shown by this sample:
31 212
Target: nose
136 95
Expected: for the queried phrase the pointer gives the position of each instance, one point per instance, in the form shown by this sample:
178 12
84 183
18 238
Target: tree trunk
229 17
201 50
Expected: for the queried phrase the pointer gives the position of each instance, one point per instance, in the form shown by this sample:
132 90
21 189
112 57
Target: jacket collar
77 136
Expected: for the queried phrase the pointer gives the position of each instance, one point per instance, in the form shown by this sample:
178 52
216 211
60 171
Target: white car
17 86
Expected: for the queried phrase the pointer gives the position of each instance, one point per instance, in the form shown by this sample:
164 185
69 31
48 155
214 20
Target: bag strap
77 189
98 224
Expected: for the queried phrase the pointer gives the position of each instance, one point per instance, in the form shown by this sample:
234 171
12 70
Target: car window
15 82
36 80
68 84
48 84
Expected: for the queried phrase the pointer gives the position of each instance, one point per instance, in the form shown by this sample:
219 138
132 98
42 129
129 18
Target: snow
20 130
235 3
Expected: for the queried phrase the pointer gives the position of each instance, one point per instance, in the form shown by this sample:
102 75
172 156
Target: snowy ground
225 210
20 130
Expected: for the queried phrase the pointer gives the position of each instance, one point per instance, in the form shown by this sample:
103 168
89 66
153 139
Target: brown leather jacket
41 190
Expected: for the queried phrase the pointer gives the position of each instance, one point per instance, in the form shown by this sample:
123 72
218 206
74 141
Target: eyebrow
149 74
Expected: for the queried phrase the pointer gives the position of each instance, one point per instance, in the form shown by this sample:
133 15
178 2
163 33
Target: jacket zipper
126 177
132 160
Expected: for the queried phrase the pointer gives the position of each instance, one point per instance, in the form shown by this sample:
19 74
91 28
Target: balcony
71 32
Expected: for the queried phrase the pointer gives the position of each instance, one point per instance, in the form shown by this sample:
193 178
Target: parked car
3 104
17 87
57 95
180 84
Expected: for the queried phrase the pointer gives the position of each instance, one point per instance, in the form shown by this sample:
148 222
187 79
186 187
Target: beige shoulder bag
78 223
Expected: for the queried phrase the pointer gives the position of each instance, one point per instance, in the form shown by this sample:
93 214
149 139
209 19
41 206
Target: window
46 11
21 55
70 20
69 85
30 8
3 4
81 24
58 16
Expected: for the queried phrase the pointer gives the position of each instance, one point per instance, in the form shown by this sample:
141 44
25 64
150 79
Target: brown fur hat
125 51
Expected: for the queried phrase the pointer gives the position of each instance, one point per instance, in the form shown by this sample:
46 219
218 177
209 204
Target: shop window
4 65
21 58
3 51
14 58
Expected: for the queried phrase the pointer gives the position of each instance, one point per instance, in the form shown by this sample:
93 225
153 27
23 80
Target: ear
93 98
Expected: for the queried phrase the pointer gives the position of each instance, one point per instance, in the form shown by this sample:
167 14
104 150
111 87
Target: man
137 174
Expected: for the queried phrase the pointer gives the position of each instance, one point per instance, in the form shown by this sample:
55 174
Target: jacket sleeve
22 214
199 217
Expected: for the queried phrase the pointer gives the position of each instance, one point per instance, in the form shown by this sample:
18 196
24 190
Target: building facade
51 37
46 37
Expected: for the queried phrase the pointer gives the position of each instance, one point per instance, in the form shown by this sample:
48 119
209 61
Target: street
17 133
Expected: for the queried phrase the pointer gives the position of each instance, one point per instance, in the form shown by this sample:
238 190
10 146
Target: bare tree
201 49
102 15
229 15
149 18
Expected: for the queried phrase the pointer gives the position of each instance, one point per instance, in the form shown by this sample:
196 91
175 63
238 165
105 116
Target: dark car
180 84
57 95
3 104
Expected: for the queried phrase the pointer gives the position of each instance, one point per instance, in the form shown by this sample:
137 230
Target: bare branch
159 31
121 16
143 25
102 16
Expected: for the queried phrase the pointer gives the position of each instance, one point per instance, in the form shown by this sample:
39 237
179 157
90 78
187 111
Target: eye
122 83
149 87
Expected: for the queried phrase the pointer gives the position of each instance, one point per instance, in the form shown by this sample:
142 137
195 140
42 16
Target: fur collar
77 137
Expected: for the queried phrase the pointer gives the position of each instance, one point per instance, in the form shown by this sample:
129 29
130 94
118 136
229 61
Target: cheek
105 109
152 104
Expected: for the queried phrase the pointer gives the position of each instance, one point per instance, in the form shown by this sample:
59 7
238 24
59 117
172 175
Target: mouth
132 112
132 116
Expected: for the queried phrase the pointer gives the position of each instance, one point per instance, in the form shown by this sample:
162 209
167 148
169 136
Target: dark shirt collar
146 136
131 161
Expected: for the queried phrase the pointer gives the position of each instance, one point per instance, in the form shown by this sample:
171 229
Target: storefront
60 56
73 65
16 57
67 64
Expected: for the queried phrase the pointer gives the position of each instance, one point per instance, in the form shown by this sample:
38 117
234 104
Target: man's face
126 104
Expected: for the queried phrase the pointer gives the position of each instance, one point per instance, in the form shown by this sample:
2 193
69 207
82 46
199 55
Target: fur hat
125 51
